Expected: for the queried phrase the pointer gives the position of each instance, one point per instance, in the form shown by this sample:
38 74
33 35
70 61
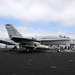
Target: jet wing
6 42
22 40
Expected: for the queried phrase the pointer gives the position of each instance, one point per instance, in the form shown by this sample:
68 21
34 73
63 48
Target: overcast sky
38 17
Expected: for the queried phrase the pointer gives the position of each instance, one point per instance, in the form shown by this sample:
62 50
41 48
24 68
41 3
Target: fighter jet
28 43
33 43
54 40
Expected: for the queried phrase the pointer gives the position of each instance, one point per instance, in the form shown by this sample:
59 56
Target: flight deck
36 63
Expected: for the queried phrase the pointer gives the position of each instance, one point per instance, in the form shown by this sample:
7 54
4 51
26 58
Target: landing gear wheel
58 50
28 50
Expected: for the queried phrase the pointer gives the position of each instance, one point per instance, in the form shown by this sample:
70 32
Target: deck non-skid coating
36 63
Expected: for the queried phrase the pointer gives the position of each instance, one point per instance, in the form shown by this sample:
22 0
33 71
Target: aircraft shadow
21 51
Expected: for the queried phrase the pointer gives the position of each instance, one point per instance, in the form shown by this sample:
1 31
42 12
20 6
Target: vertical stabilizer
12 32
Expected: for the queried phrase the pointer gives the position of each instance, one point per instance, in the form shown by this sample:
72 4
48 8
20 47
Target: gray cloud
39 10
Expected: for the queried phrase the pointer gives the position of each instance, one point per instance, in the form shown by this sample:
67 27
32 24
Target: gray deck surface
36 63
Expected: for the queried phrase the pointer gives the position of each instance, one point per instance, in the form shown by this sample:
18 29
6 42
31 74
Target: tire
28 50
